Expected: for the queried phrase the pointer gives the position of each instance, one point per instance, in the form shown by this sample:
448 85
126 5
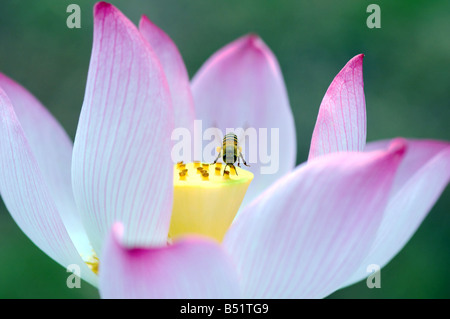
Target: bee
230 152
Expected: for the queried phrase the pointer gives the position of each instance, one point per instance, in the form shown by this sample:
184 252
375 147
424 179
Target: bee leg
218 156
239 161
242 157
224 169
235 170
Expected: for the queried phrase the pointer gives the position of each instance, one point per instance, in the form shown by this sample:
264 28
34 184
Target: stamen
93 263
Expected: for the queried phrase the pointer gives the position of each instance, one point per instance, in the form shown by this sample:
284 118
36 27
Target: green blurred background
407 87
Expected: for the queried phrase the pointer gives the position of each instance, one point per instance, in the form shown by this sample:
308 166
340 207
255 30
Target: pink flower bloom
305 232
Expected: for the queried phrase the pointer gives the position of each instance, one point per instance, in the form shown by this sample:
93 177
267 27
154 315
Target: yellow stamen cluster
93 263
206 198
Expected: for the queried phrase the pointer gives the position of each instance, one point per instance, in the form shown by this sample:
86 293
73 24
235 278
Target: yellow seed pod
206 203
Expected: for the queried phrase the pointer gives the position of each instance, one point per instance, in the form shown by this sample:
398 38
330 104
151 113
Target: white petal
305 235
52 150
420 180
175 71
122 169
27 196
241 86
341 123
190 268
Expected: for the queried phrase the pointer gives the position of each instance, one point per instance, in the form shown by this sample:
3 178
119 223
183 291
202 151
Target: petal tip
104 9
145 20
253 41
398 147
356 62
252 38
102 6
148 26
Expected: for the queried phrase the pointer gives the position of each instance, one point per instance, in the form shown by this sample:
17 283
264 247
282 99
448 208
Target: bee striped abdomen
230 148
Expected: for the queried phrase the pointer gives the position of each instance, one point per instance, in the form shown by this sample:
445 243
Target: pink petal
420 180
341 123
27 196
52 149
190 268
305 235
241 86
121 169
175 71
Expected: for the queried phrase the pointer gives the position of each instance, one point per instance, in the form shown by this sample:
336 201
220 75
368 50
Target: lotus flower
302 233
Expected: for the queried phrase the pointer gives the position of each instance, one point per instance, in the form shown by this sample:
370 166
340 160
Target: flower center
206 198
205 201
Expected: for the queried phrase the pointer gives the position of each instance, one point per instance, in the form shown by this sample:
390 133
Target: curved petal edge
190 268
341 123
240 88
421 178
175 71
305 235
27 197
52 149
121 167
